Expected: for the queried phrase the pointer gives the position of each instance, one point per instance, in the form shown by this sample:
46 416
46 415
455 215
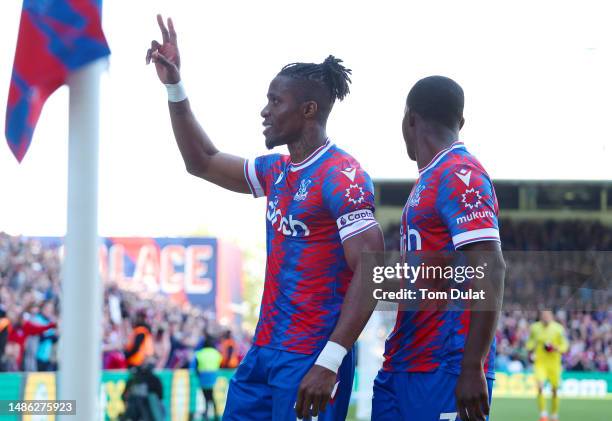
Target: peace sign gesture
165 56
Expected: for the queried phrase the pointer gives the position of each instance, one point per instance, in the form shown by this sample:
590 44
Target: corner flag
55 38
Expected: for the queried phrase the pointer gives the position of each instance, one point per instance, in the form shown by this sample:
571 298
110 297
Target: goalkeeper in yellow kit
547 339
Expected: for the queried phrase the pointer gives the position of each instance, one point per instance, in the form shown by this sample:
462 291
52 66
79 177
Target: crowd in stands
30 299
551 235
30 327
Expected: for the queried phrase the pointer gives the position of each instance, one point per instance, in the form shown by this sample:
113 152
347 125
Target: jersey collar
312 157
440 155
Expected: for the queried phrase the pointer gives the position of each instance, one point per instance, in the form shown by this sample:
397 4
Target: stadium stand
30 297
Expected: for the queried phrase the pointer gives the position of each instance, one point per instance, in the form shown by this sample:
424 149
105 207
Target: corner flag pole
81 310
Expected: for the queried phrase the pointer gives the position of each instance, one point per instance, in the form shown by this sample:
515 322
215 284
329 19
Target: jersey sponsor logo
350 173
415 197
355 194
464 175
410 240
302 192
358 215
288 226
471 198
475 215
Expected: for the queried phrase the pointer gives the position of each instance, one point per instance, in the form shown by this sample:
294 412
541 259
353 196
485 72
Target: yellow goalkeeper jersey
541 335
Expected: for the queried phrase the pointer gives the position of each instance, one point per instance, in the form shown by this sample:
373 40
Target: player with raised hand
320 219
547 340
439 364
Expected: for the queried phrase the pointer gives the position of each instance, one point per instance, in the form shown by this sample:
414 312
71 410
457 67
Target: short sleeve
348 194
467 204
258 173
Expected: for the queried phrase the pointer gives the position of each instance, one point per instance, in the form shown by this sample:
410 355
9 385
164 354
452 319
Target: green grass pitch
514 409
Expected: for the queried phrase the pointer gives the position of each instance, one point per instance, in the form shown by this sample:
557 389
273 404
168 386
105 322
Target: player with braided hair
330 75
320 220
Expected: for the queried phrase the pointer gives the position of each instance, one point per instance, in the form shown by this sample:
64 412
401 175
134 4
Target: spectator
11 357
229 351
140 345
113 357
22 330
178 356
515 365
5 328
161 347
47 339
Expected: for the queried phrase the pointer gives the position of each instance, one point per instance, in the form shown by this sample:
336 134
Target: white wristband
176 91
331 357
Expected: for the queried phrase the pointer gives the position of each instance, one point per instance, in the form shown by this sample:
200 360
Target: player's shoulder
275 158
461 162
340 157
458 171
272 161
340 163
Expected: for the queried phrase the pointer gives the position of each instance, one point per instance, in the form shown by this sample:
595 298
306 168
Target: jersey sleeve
258 173
467 204
348 194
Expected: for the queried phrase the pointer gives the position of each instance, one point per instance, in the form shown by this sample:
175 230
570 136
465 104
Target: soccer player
439 364
320 218
547 339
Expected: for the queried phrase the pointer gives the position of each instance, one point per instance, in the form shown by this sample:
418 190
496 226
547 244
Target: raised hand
165 56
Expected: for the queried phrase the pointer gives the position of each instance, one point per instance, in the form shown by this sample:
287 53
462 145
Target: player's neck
309 142
432 142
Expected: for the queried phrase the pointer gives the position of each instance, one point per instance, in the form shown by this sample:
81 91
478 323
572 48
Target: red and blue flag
56 37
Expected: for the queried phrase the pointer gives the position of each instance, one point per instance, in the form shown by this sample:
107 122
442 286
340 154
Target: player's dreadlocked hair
324 82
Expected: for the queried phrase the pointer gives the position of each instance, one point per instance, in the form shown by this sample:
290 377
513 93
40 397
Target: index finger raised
171 30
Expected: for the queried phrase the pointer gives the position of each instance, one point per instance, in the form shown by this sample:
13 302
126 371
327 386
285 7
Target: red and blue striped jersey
452 204
313 206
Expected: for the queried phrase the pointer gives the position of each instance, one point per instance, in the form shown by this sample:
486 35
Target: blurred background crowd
30 299
29 325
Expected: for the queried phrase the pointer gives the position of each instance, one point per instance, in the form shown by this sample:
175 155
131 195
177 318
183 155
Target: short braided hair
320 82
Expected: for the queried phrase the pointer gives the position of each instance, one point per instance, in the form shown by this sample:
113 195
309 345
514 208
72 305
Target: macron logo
464 175
350 173
279 179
